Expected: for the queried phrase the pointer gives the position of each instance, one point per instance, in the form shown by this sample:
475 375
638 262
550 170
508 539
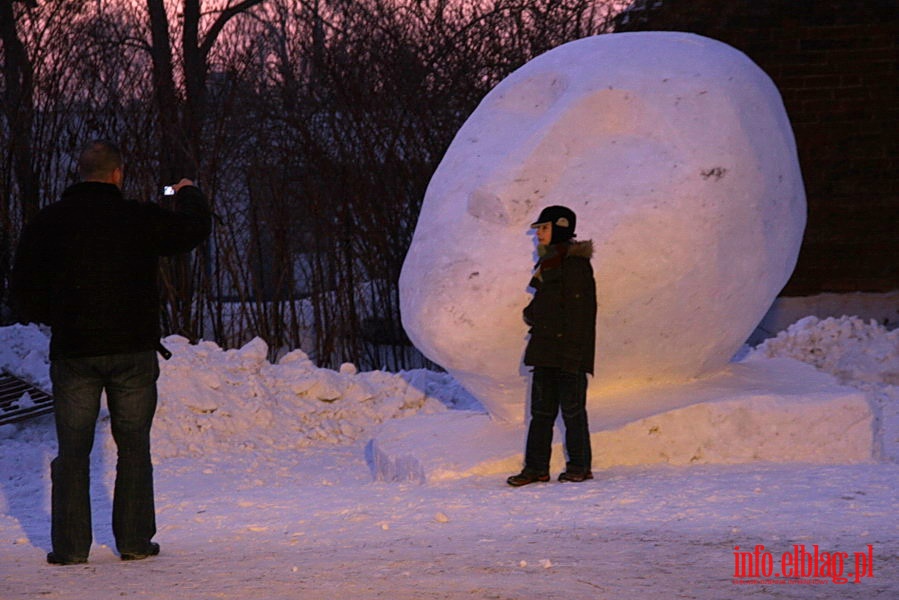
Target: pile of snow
25 352
212 399
848 348
860 354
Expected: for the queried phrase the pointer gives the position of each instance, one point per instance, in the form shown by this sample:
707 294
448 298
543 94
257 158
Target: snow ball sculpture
675 152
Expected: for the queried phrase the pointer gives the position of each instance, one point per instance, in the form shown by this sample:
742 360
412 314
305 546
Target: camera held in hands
168 190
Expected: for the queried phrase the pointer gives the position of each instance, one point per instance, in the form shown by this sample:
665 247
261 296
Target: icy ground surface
311 524
280 502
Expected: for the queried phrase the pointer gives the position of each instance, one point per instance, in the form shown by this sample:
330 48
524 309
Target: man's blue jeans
130 384
551 390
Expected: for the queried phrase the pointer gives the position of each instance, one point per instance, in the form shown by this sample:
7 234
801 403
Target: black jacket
88 266
562 313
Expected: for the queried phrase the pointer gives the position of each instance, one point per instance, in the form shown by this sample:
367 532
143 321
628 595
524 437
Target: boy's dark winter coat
562 313
88 266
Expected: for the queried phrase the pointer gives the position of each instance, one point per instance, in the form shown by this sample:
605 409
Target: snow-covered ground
264 490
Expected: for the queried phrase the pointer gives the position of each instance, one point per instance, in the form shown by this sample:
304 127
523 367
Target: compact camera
168 191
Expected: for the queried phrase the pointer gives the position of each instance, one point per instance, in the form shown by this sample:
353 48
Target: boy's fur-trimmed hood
584 249
552 256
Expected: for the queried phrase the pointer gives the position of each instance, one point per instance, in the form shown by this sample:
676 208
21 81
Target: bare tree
31 35
181 127
18 110
313 125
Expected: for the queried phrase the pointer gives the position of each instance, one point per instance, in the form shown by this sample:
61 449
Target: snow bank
847 347
823 391
864 355
772 410
212 399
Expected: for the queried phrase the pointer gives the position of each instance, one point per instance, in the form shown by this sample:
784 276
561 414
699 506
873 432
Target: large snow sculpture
676 154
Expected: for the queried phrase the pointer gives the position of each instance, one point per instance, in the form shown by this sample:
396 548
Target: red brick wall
836 63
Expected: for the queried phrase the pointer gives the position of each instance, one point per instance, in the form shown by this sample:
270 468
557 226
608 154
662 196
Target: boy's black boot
152 549
527 476
575 476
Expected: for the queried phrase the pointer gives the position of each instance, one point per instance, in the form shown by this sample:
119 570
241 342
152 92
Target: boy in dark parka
562 320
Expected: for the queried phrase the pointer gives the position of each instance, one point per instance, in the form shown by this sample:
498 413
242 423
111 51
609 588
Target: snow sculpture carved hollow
675 152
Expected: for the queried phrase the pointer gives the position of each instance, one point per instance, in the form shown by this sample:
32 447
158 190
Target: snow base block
773 410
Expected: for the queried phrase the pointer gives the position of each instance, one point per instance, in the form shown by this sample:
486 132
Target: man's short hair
98 159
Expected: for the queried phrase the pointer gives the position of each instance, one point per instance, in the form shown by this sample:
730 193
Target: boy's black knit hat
563 221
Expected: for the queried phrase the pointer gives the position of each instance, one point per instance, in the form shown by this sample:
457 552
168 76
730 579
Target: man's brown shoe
55 559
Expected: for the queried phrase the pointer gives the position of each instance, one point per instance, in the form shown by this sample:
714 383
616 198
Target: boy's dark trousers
553 389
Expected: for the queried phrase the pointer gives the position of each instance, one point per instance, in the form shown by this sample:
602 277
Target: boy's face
544 233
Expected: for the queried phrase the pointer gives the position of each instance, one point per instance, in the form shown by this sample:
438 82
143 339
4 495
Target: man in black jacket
562 320
87 266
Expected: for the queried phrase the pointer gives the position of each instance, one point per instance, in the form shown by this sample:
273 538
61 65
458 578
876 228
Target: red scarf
552 260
